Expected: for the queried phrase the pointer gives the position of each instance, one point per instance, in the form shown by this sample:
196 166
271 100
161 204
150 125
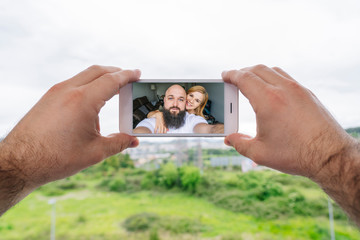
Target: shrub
269 202
117 184
51 190
133 172
154 234
140 222
151 179
249 180
133 182
60 187
190 177
267 190
147 183
209 184
180 225
234 200
232 182
67 184
168 175
293 181
81 219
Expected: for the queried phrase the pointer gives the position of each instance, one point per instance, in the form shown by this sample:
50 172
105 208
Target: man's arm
340 179
60 135
297 135
207 128
160 126
141 130
12 183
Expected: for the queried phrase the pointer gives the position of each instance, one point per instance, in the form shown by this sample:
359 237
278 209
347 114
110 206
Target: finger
283 73
164 130
241 142
250 85
106 86
267 74
116 143
161 128
157 130
90 74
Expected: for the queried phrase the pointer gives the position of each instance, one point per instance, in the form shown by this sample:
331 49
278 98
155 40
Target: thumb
118 142
241 142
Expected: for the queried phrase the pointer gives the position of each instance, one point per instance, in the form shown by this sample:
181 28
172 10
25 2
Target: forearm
207 128
217 128
142 130
340 179
152 114
13 183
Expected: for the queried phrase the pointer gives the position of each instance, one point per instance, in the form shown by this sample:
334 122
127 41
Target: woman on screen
196 99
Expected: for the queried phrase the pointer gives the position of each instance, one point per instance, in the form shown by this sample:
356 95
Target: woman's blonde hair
199 110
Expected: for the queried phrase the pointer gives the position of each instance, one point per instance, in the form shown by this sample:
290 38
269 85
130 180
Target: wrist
340 178
13 184
336 163
18 158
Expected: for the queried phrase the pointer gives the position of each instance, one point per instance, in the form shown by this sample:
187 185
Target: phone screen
170 107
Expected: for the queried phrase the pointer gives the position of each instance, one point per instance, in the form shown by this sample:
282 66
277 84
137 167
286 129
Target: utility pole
331 219
199 156
53 218
230 163
181 151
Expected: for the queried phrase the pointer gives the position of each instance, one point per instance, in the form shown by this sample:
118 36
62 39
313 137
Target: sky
44 42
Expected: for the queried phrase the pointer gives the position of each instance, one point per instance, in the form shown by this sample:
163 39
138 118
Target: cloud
44 42
16 101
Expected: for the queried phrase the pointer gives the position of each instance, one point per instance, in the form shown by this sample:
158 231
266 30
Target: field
171 203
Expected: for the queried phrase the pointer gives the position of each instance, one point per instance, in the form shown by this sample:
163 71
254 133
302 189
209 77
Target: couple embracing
182 113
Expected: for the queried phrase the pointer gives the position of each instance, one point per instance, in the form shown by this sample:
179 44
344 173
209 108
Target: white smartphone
189 108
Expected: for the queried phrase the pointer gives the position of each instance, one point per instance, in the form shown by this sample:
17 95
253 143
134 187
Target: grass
93 214
96 203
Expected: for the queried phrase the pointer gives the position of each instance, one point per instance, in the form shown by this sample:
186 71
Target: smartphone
188 108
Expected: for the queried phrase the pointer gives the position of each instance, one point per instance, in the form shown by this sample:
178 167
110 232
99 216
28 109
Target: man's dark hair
172 120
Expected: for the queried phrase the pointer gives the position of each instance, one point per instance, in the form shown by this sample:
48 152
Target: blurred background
167 188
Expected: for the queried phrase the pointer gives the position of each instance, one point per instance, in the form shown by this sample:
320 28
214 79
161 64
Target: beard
174 120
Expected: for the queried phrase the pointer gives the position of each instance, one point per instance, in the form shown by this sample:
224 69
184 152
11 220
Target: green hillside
112 200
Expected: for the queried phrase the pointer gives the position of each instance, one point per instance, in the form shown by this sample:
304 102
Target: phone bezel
231 116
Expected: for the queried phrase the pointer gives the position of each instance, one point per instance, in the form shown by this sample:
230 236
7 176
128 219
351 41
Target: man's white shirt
191 120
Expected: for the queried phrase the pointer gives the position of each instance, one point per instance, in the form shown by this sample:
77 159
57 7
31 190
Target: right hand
295 132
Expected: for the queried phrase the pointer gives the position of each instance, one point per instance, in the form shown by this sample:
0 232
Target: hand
295 133
61 135
160 126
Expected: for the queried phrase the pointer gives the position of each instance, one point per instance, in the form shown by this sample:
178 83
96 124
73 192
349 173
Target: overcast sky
43 42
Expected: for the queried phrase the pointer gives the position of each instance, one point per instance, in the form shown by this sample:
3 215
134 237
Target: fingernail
227 142
137 73
223 74
134 143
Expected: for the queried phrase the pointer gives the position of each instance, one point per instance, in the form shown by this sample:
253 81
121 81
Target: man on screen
176 118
